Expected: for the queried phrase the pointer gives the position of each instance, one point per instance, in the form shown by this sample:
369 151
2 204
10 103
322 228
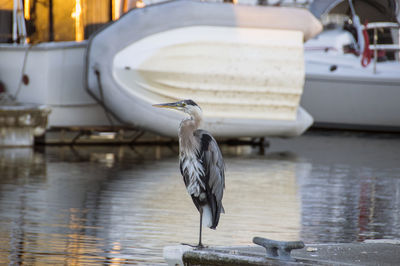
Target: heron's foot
186 244
198 246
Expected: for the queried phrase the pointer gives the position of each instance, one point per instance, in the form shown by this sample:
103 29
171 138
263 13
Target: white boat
339 92
51 74
45 72
243 65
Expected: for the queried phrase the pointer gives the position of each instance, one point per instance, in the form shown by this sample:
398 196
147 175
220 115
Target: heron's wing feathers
213 163
214 168
213 158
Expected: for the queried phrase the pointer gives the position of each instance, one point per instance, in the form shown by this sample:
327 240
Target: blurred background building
76 20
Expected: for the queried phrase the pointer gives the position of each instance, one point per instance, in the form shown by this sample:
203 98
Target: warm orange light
116 249
76 14
116 12
140 4
78 9
125 7
235 1
27 13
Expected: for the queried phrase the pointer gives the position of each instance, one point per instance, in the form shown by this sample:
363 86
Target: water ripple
83 206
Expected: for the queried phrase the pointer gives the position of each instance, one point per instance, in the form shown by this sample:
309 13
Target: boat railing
375 47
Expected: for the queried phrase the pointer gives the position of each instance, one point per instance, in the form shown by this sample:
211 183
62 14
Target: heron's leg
200 245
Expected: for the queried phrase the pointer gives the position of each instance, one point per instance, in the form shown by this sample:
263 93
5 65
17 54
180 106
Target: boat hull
340 93
54 76
336 102
216 54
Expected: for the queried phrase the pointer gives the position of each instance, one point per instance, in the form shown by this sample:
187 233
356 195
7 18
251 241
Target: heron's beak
168 105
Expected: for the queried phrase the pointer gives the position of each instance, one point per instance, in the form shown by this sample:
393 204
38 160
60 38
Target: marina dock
373 252
21 123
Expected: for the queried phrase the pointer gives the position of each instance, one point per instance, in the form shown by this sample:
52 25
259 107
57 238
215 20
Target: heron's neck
187 141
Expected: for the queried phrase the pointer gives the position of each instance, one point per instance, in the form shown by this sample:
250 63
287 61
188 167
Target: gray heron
201 164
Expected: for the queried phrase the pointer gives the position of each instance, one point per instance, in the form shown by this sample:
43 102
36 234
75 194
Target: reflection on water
122 205
353 190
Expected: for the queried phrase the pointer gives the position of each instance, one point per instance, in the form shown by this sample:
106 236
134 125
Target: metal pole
24 33
375 50
357 25
14 29
21 23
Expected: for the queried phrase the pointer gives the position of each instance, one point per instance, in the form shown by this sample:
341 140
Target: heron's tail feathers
211 214
215 219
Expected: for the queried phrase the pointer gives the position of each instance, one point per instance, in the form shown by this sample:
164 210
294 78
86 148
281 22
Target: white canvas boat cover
243 65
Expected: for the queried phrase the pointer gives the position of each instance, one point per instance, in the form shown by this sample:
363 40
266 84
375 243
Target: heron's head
187 106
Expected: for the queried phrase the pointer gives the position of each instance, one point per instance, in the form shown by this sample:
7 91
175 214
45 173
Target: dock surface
380 252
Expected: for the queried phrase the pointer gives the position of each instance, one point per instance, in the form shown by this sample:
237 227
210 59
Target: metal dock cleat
278 249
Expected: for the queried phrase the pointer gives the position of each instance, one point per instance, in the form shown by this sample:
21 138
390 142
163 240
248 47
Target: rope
97 72
22 72
367 53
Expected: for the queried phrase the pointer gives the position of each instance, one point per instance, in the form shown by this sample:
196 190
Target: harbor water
123 204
